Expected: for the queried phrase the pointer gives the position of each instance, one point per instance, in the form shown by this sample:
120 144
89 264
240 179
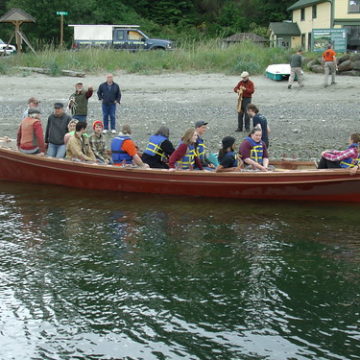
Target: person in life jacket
200 147
228 159
185 156
123 149
253 151
341 159
30 138
158 149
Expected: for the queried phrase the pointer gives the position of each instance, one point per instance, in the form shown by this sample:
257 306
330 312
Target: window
314 11
119 35
134 35
309 41
302 14
303 39
354 6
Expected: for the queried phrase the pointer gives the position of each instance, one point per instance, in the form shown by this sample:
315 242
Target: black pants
327 164
243 115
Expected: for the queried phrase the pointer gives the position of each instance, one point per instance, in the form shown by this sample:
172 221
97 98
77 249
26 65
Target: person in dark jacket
78 102
110 94
56 128
158 149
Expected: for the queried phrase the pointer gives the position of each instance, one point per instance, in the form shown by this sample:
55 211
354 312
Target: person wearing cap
124 150
78 147
330 65
30 138
56 128
253 151
33 103
158 149
245 88
97 143
200 147
228 159
260 122
78 102
185 156
296 69
109 93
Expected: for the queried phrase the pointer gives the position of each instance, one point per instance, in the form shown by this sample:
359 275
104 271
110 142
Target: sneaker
238 130
105 131
113 131
289 86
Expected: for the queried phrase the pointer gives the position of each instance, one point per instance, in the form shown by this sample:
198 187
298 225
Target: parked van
121 37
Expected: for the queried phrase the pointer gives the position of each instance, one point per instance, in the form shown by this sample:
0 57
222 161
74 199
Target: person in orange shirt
330 65
123 149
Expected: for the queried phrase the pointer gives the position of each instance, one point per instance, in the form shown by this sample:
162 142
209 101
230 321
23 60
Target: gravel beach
303 122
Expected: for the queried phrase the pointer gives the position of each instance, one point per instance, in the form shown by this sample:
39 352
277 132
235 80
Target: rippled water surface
88 275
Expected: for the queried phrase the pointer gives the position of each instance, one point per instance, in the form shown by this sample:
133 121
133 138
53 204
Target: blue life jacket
257 150
188 160
348 163
118 155
200 149
234 154
153 147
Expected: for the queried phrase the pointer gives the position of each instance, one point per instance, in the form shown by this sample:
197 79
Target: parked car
121 37
7 48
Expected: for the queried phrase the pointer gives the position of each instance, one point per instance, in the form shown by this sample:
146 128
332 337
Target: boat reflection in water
88 274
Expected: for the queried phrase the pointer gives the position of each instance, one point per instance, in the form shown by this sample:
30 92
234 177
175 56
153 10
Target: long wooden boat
291 181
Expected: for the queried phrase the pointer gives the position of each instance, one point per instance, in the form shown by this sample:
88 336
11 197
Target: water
88 275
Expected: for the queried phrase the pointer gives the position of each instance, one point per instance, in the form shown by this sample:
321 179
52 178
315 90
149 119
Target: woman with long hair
228 159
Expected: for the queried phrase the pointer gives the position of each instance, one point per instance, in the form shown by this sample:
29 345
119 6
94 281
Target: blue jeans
81 118
57 151
109 111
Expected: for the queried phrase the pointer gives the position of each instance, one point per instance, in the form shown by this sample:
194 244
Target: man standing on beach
330 65
78 102
56 128
296 69
110 94
244 88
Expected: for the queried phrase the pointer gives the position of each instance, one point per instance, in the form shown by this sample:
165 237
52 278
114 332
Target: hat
244 74
228 141
33 100
58 105
33 111
200 123
97 122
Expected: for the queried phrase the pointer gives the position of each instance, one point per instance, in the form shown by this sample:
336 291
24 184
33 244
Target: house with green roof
322 14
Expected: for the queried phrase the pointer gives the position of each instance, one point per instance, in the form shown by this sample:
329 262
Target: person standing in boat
30 138
109 93
158 149
260 122
185 156
56 128
124 150
33 103
332 159
228 159
296 69
97 143
253 151
244 88
78 147
78 102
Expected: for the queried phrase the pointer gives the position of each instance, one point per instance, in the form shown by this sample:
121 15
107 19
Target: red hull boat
292 181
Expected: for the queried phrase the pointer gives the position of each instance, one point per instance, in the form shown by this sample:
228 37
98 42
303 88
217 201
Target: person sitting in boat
200 147
348 158
71 129
228 159
158 149
30 138
97 143
185 156
78 147
124 150
253 151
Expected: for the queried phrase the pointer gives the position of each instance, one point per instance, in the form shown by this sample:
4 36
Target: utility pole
62 14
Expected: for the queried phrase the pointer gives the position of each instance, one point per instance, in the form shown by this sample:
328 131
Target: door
135 40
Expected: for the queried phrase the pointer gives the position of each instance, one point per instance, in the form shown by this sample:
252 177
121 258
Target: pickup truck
6 49
121 37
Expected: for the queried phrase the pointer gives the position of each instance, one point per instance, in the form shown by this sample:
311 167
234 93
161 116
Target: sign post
321 38
62 14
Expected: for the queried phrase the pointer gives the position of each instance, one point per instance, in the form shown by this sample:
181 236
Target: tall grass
209 56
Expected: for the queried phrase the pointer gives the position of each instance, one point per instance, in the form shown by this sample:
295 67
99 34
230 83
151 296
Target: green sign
321 38
63 13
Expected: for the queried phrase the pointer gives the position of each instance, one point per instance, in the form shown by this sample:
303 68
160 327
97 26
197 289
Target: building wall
341 10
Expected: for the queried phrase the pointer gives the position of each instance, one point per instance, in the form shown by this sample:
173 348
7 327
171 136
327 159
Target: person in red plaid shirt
341 159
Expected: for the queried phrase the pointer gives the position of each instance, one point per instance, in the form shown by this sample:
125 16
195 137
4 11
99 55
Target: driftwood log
47 71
